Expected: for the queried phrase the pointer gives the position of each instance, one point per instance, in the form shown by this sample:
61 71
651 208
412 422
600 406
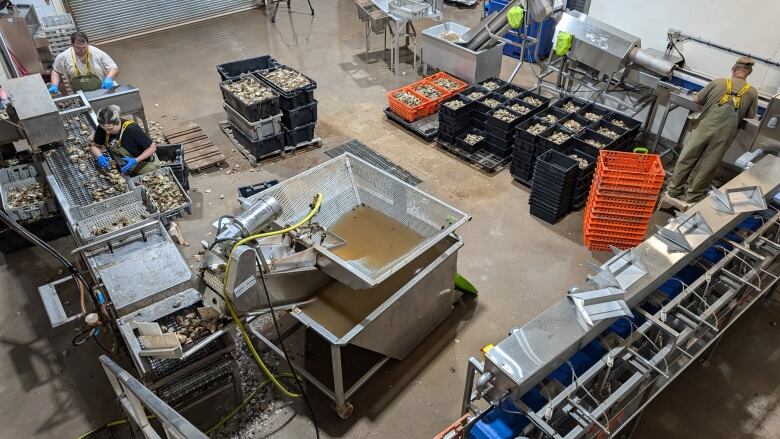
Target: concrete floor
520 264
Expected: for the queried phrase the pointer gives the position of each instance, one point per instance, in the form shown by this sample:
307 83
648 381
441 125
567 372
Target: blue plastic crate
499 423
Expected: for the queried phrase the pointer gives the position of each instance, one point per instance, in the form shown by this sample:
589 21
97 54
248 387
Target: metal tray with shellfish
165 192
115 214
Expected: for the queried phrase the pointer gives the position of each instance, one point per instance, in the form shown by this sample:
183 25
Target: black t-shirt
134 139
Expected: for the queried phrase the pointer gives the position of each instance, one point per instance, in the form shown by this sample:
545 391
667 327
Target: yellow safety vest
125 124
737 97
76 64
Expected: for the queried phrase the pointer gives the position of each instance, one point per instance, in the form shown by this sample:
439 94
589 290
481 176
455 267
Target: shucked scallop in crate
166 192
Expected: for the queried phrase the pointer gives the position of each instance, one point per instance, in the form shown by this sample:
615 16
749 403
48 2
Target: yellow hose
237 320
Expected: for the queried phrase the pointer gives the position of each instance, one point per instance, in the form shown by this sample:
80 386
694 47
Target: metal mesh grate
198 381
129 209
362 151
347 182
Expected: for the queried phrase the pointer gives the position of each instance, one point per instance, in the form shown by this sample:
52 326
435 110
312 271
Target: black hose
287 357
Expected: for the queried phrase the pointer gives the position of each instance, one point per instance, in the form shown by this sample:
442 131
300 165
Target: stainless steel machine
374 268
586 367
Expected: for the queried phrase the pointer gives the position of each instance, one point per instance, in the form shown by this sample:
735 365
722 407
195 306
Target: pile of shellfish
287 79
28 195
428 91
192 327
164 191
408 99
249 90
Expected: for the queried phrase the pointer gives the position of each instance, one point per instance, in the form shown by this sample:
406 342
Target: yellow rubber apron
86 82
117 152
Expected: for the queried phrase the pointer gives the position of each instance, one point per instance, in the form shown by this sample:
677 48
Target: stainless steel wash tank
393 306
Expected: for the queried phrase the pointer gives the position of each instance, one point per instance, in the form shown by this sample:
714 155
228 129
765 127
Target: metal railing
136 399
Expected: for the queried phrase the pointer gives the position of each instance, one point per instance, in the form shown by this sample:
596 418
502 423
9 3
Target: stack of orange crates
622 199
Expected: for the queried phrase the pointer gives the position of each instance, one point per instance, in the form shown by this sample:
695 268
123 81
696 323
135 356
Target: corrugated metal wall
105 20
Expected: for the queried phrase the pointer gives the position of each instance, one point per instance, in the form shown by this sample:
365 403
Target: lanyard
125 124
76 65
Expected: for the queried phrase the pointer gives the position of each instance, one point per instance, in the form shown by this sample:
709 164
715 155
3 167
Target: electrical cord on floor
287 358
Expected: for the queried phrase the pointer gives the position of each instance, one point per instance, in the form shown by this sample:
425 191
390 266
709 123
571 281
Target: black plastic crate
631 124
616 129
234 69
536 108
474 88
251 112
505 127
501 85
499 133
581 103
546 216
598 110
302 115
480 107
249 190
454 122
513 88
584 123
552 207
447 138
261 148
300 134
544 140
499 142
521 132
446 111
554 111
525 146
460 143
529 113
582 138
554 185
289 99
556 161
498 150
453 130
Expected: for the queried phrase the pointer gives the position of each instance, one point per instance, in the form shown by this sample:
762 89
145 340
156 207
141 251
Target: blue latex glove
107 83
54 89
103 162
129 164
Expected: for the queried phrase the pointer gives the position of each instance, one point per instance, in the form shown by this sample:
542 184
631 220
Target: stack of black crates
299 108
476 111
555 177
573 127
285 121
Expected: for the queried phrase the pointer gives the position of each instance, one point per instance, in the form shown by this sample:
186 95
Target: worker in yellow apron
726 102
86 67
126 143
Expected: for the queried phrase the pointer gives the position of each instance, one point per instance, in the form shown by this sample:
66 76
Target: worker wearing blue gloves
125 142
85 66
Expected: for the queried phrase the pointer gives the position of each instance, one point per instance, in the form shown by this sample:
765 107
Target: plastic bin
410 114
29 211
474 88
263 147
512 91
545 44
462 144
465 110
544 138
299 135
289 99
549 113
433 105
480 107
500 85
234 69
584 123
521 130
300 116
249 190
580 103
598 110
507 128
254 130
436 77
591 137
173 156
254 111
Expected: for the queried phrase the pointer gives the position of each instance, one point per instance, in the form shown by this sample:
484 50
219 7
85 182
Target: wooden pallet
199 151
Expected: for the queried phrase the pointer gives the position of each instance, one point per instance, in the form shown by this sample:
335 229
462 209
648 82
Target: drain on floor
363 152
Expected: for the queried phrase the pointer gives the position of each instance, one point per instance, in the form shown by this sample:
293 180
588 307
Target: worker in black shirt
125 142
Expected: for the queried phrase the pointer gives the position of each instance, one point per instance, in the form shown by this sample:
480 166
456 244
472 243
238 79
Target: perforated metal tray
130 208
348 182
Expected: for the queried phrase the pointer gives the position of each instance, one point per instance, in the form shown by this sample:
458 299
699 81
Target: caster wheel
344 412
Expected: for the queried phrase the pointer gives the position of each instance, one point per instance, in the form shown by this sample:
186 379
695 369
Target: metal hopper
346 183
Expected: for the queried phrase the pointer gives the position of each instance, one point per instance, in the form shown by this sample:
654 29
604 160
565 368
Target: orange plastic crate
604 244
461 84
630 165
433 105
614 228
636 197
410 114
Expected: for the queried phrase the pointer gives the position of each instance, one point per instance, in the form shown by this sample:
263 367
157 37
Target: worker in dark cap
726 102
